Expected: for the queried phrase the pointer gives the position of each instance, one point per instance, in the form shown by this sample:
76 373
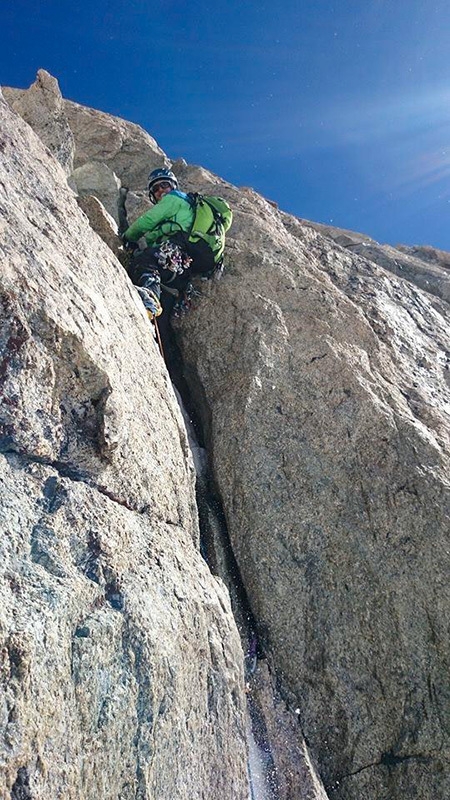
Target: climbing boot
151 301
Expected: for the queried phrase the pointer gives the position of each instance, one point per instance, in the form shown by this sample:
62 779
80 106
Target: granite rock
120 664
432 255
323 381
95 178
42 107
424 266
129 151
320 367
101 222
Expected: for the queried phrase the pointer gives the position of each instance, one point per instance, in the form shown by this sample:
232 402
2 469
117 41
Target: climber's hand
128 246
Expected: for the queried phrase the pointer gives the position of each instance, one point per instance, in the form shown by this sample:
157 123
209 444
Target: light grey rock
137 203
120 664
341 236
426 253
325 389
42 107
97 179
323 383
11 94
424 266
430 277
106 630
126 148
192 178
101 222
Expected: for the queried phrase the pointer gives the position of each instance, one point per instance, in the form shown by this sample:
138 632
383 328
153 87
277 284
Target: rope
158 338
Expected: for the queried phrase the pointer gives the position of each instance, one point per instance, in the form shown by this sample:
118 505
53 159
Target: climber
174 253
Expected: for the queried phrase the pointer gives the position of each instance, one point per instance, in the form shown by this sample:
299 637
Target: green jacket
173 213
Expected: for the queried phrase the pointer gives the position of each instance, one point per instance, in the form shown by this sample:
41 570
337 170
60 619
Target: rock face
120 664
429 254
42 107
424 266
100 152
100 221
320 366
94 178
126 148
295 776
324 383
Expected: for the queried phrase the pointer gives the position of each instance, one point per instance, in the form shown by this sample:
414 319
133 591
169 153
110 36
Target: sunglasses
161 185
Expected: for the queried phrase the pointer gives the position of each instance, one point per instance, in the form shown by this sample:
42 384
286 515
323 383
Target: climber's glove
129 246
151 301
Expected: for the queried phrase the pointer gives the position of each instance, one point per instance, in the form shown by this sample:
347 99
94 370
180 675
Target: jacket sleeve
164 210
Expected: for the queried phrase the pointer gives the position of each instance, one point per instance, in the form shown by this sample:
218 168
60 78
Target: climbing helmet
158 177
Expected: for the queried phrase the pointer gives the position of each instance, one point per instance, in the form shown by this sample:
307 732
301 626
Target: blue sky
339 111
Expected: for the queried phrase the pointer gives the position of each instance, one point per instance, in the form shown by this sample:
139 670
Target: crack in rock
387 759
73 473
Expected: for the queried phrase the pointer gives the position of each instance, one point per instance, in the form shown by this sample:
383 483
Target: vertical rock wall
120 664
324 383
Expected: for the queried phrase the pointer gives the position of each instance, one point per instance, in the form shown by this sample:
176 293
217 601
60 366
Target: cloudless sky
339 111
